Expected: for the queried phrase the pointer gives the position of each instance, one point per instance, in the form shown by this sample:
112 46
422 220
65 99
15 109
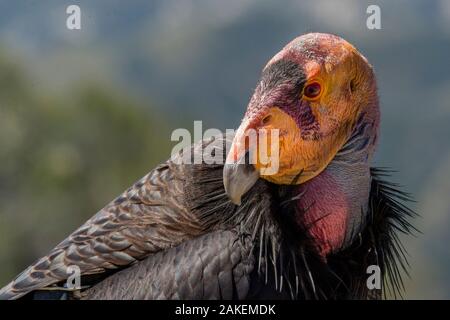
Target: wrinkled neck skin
333 205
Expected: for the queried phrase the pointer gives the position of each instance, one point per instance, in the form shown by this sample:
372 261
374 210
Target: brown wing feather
146 218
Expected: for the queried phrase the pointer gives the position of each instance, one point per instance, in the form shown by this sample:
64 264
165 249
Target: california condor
214 231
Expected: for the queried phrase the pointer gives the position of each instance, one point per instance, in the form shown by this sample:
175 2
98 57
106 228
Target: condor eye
312 90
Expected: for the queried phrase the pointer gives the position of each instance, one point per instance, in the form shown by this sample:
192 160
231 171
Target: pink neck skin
332 206
323 211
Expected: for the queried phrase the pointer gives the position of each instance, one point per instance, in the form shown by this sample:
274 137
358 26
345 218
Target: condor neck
332 207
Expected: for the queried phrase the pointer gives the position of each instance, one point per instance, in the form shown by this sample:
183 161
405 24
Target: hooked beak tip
238 179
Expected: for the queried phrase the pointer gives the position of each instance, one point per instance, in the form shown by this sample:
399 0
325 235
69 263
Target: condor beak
295 159
238 174
244 163
238 178
254 152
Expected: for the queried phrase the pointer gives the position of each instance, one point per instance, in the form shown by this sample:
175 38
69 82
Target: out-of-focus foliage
198 60
63 158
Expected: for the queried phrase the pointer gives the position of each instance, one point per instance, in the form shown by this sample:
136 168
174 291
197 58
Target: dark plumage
228 252
175 234
255 251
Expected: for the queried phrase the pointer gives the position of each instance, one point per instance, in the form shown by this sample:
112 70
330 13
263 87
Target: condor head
304 109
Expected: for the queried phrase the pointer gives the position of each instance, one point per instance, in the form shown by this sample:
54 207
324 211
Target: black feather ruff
287 265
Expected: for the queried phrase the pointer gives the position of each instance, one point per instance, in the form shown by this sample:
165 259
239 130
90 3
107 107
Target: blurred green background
83 114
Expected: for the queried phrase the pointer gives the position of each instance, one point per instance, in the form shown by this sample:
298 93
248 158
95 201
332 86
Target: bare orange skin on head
299 159
320 93
335 111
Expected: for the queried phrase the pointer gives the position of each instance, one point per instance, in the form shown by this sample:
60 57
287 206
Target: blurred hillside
63 158
85 113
